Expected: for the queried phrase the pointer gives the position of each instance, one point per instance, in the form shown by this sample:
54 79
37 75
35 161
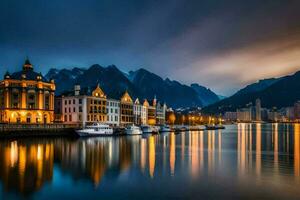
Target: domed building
26 97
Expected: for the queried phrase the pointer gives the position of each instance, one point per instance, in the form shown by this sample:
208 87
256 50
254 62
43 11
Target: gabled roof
126 98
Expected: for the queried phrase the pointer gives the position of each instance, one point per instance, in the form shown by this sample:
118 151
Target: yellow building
126 109
26 97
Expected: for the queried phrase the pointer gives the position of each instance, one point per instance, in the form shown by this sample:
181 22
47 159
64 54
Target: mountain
140 83
206 96
283 92
150 84
258 86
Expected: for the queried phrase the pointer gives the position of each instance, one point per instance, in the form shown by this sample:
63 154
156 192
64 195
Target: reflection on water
241 155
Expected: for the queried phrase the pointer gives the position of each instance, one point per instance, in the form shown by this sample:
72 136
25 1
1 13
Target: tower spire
27 65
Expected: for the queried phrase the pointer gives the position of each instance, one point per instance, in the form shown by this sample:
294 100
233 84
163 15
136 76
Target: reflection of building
25 168
84 106
113 112
26 97
126 109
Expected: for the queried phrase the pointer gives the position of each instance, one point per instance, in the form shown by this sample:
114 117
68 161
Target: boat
146 129
214 127
133 130
164 128
95 129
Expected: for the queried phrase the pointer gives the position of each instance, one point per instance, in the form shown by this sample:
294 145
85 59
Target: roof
29 74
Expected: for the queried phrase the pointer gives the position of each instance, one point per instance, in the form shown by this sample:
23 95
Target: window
66 102
73 101
70 101
80 108
65 110
66 118
70 118
74 110
80 101
69 110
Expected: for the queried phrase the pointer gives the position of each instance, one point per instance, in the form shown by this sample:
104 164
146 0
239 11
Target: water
252 161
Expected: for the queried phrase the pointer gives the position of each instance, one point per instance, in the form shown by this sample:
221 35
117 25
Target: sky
223 45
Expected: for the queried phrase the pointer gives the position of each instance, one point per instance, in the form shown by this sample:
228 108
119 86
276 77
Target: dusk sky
223 45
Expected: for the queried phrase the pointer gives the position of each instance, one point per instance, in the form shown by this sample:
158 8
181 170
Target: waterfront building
140 113
26 97
160 113
273 115
257 110
113 112
84 106
230 116
126 110
58 116
151 111
297 111
244 114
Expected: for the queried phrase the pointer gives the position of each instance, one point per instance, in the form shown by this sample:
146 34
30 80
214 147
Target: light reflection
95 158
172 153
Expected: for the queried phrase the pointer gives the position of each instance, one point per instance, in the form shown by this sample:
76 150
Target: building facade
160 113
113 112
82 107
126 110
140 113
26 97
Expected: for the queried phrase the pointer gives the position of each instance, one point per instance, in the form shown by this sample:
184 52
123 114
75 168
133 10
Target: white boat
146 129
133 130
165 128
96 129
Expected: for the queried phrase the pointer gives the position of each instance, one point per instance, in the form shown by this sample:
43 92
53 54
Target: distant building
244 114
230 116
273 115
126 109
297 111
257 110
26 97
113 112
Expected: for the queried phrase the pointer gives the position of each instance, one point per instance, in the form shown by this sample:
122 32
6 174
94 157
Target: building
257 110
58 116
160 113
151 112
26 97
230 116
126 110
244 115
297 111
84 106
113 112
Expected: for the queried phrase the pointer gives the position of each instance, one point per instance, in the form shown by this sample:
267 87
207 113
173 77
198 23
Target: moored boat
164 128
96 129
133 130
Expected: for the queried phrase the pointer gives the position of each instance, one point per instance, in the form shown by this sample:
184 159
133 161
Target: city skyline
235 43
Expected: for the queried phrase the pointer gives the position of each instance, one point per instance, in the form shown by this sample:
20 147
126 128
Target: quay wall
35 130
